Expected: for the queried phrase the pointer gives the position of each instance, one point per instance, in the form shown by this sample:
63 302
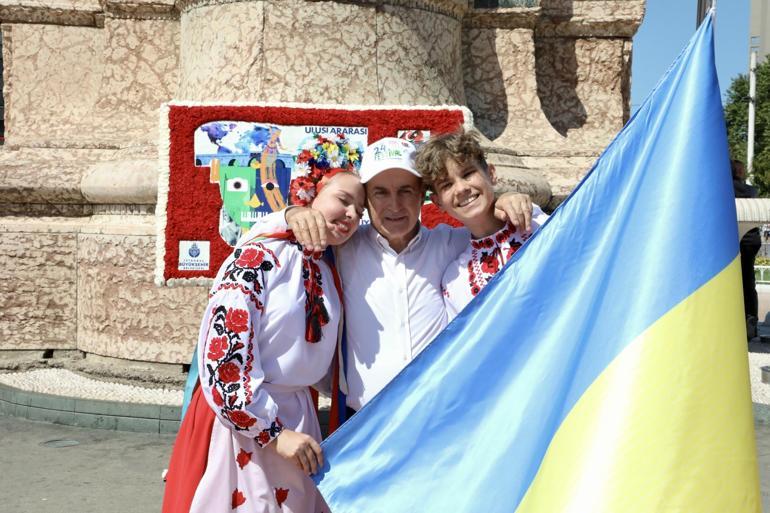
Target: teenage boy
454 168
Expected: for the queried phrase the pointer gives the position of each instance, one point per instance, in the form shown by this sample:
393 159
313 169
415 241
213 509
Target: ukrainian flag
605 369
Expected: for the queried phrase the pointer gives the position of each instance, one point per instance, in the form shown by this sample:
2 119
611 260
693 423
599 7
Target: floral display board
223 166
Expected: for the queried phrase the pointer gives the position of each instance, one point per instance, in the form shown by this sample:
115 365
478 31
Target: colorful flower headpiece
321 157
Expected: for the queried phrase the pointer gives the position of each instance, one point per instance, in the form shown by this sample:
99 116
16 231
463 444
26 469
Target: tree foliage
737 118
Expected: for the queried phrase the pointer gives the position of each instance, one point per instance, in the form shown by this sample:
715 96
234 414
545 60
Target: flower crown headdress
321 157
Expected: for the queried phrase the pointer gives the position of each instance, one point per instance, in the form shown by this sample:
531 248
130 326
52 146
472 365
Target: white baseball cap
387 153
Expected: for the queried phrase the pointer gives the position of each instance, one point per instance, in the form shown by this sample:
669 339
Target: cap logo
382 152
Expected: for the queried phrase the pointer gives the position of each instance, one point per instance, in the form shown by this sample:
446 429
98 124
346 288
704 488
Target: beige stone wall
418 54
140 72
88 87
501 83
580 85
37 282
320 52
82 110
209 68
121 313
52 79
83 81
551 85
87 283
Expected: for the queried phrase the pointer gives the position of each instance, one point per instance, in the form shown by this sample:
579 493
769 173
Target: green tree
737 118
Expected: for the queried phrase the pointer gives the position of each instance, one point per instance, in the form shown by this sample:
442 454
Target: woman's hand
301 449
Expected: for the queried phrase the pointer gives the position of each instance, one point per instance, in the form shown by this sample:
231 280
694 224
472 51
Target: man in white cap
391 270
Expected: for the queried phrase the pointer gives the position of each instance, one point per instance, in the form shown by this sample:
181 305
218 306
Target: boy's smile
467 191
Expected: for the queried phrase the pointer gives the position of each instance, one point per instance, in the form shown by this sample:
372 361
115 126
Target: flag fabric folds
605 368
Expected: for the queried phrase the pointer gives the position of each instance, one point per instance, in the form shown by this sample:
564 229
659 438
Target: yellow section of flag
668 425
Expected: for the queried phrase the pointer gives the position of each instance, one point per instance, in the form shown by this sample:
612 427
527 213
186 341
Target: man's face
394 198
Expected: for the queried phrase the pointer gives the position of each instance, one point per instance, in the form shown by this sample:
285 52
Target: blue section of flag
465 426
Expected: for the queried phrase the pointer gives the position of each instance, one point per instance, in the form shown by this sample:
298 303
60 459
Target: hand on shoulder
515 208
309 227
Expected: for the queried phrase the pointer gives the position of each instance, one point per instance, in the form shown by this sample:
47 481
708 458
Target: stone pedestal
551 83
394 52
121 313
546 80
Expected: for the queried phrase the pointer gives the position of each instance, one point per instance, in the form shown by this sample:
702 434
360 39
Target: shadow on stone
492 4
556 71
485 90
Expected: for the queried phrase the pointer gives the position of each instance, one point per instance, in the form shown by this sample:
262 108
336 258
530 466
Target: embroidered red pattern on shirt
316 314
238 498
281 494
243 458
490 254
230 346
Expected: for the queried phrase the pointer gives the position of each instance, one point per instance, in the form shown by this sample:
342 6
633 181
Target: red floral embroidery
229 372
238 498
243 458
237 320
511 250
281 494
217 348
489 262
266 435
250 257
229 353
241 419
489 254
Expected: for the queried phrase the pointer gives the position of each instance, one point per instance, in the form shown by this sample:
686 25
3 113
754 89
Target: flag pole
704 7
752 107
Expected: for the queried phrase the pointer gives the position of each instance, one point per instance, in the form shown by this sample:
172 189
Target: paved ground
109 471
763 451
120 472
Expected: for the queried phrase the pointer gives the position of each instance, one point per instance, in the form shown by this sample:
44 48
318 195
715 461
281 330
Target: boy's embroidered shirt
466 276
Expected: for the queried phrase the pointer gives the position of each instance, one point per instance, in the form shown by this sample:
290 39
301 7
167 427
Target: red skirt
189 456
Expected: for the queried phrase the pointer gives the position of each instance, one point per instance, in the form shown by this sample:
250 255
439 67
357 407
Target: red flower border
193 203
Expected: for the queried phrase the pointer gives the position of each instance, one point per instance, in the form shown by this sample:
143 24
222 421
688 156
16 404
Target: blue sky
669 24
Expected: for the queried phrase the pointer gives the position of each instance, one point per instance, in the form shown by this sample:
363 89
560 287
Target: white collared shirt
393 302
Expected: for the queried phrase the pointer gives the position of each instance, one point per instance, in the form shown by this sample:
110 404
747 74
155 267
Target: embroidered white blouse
257 356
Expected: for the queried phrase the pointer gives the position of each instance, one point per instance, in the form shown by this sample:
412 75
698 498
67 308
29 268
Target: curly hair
461 146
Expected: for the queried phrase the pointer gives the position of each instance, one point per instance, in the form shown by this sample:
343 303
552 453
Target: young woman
250 436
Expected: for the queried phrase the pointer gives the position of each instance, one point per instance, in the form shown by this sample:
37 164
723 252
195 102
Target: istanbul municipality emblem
194 250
